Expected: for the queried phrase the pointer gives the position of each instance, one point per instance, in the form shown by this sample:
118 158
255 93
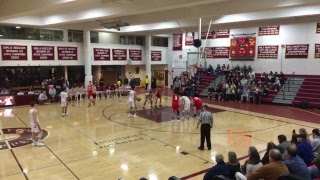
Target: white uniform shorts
132 104
63 103
186 107
34 129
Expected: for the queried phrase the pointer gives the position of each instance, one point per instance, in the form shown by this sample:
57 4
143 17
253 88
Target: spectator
193 90
305 149
245 93
265 159
283 143
276 85
210 69
220 169
304 131
153 83
315 171
52 94
294 138
126 81
233 164
42 97
315 143
218 69
176 86
272 170
132 83
251 164
295 164
244 81
146 82
211 91
5 86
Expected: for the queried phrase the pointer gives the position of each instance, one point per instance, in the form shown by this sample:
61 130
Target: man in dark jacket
220 169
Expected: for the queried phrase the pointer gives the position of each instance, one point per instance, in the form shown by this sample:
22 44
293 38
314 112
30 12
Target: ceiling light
18 27
1 35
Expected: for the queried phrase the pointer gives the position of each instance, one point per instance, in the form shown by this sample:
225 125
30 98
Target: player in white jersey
64 101
132 103
148 96
35 127
186 103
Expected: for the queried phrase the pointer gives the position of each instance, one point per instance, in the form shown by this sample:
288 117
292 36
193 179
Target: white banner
179 62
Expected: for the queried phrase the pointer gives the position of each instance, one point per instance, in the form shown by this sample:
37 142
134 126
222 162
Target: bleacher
309 91
205 81
272 94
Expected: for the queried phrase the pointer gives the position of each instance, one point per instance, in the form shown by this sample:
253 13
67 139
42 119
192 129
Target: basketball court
101 142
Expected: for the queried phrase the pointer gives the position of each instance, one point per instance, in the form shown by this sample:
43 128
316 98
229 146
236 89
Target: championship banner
179 62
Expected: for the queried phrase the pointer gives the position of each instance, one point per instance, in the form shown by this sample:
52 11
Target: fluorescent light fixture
153 176
18 27
1 35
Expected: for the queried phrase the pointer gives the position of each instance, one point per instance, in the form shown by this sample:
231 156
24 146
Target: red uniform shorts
175 107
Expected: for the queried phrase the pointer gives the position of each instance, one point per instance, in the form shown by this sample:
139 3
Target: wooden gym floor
101 142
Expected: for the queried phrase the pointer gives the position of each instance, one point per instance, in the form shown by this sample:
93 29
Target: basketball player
186 106
197 105
158 96
64 101
90 94
175 106
148 98
132 103
35 127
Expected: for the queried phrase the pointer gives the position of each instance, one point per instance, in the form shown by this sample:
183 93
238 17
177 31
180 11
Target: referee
206 121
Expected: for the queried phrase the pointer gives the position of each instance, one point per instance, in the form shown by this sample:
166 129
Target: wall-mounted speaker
197 43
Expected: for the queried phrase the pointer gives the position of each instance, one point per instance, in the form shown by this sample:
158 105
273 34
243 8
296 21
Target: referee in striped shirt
206 121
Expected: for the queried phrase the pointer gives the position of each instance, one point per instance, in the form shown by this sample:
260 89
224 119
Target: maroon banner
269 30
119 54
209 51
189 39
14 52
243 48
268 52
177 42
204 35
225 33
42 52
317 51
101 54
67 53
156 55
297 51
135 55
221 52
318 28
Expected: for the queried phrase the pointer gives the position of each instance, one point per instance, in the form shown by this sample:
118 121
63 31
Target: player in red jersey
197 105
158 96
90 94
175 106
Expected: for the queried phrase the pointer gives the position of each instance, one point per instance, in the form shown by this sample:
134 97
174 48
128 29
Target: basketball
138 99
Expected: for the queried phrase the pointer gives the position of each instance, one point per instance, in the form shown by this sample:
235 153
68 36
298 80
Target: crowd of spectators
241 84
298 158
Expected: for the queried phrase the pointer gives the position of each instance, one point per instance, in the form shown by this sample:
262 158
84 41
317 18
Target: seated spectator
211 91
223 67
272 170
283 143
233 164
220 169
315 170
244 81
251 164
228 67
198 79
193 90
210 69
42 97
239 93
304 131
245 93
305 149
281 77
218 69
295 164
276 85
52 94
265 159
315 143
